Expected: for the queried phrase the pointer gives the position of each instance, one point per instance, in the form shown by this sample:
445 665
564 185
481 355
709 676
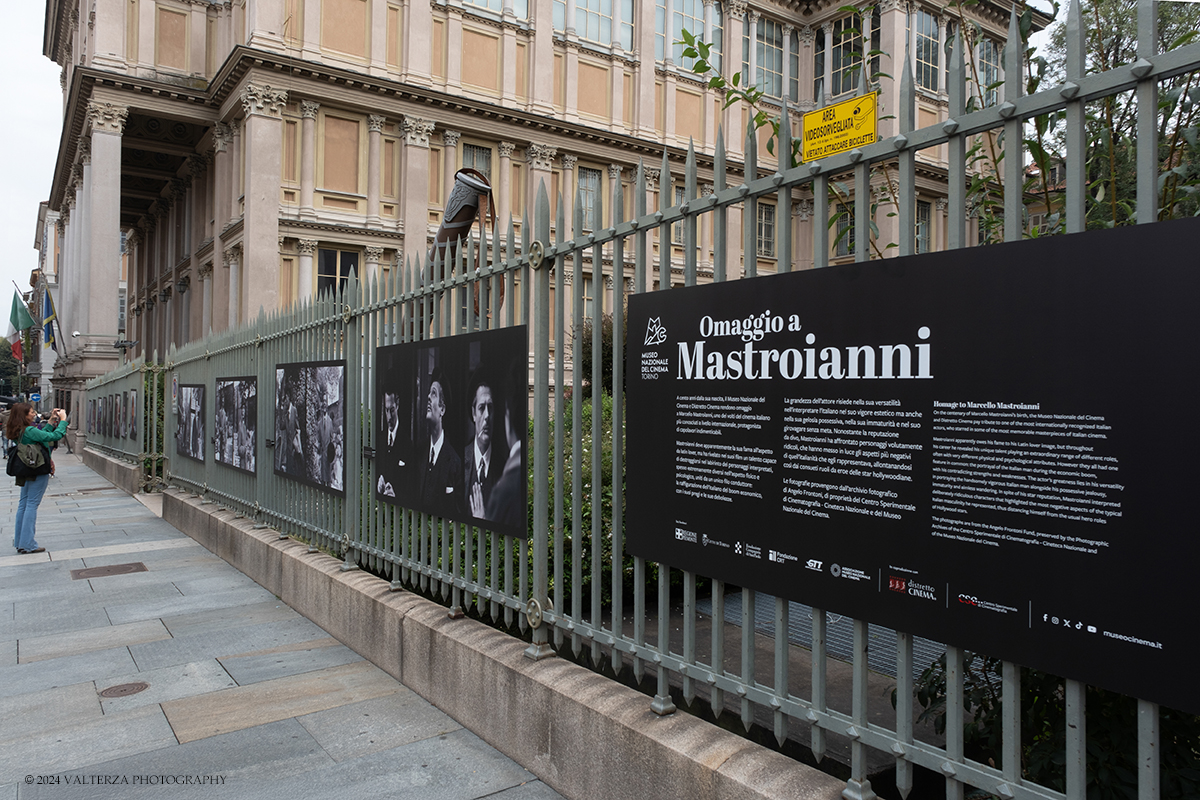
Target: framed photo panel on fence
133 414
91 416
189 427
451 418
236 422
310 423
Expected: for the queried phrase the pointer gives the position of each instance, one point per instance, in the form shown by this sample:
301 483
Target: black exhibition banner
450 426
993 447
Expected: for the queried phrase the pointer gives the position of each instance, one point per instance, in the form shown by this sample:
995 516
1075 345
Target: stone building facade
255 152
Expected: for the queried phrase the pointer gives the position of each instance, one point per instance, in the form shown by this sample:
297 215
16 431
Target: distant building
255 152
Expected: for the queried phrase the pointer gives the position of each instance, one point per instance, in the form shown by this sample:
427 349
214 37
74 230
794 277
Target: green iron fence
571 585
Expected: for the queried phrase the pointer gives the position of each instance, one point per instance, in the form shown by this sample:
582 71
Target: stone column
827 82
752 18
503 193
541 62
305 263
938 237
166 300
222 169
260 235
540 160
454 28
312 30
706 231
233 260
735 21
308 157
375 124
807 66
449 161
105 123
416 184
568 196
206 312
106 28
378 43
371 258
789 31
198 30
236 170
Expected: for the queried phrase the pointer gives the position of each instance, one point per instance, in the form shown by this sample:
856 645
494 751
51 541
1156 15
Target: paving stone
246 706
222 644
154 609
97 665
223 619
243 759
130 547
168 683
257 668
533 790
60 620
33 713
46 647
79 745
363 728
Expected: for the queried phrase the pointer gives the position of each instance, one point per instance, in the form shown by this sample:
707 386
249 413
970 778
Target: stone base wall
124 474
579 732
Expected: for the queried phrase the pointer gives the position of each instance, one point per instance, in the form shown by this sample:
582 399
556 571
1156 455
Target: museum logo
656 332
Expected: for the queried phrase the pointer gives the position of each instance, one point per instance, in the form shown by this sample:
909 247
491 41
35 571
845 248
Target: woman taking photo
21 428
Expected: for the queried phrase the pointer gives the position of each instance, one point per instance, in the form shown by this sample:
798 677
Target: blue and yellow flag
48 317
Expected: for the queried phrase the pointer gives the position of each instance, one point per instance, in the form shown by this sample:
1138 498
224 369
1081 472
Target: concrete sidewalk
243 697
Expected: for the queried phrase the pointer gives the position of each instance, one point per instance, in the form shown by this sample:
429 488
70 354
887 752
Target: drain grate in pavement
124 689
104 572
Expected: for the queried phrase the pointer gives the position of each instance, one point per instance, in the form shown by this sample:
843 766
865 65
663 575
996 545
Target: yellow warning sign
840 127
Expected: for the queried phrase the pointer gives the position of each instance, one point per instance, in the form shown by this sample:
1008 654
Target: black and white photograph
91 416
133 414
450 430
236 422
310 423
123 413
189 426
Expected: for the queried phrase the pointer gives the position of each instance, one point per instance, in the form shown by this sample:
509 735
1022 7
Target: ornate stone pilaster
568 277
263 100
105 117
450 138
614 172
416 131
309 109
736 9
375 123
942 204
707 190
652 176
753 16
205 271
506 149
808 35
569 162
306 246
608 282
540 156
222 136
804 209
133 239
372 255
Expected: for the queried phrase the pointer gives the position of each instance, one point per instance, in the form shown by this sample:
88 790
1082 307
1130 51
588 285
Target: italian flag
18 321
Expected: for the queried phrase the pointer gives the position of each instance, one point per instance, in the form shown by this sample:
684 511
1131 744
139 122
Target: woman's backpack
28 460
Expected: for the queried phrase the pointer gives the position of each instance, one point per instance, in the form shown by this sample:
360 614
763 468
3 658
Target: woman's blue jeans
31 498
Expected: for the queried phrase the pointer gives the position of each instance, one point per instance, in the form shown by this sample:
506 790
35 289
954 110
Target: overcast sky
32 101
